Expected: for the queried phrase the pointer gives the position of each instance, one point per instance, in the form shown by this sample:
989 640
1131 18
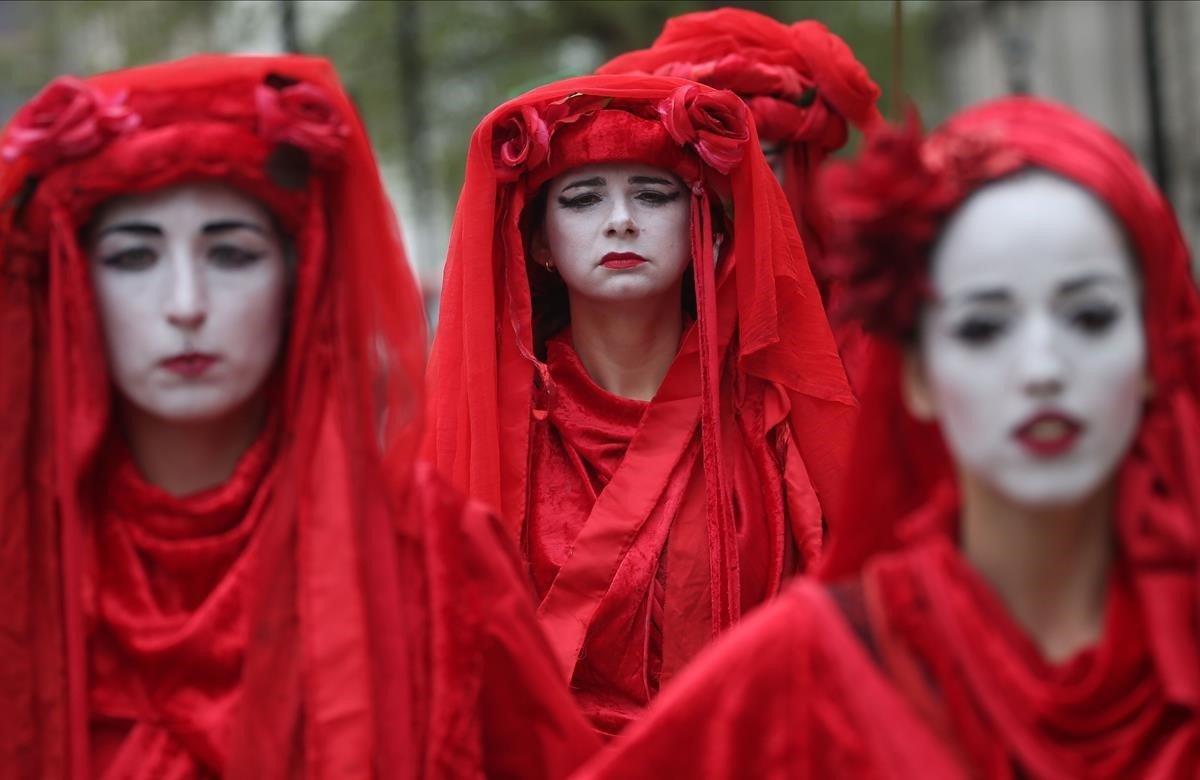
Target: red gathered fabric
511 417
332 610
1127 707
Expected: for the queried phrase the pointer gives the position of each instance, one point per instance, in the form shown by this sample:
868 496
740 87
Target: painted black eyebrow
595 181
988 296
225 225
649 180
137 228
1075 285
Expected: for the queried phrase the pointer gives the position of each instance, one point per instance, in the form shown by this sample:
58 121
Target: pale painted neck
627 347
1050 567
185 458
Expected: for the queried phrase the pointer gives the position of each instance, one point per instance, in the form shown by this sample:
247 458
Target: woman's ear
918 399
540 249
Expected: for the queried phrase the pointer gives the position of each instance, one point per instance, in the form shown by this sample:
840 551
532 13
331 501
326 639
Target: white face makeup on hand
191 287
618 231
1033 352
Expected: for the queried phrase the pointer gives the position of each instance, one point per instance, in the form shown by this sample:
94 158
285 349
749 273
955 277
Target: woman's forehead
187 202
1033 232
614 172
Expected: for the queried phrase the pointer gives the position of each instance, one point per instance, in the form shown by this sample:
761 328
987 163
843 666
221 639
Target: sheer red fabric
754 409
332 610
929 609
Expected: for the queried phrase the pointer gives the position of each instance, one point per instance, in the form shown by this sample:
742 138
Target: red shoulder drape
596 506
330 611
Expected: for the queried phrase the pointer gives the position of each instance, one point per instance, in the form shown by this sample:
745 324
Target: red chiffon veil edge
351 394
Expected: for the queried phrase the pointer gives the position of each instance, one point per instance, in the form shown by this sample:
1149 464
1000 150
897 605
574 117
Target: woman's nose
620 220
187 302
1040 366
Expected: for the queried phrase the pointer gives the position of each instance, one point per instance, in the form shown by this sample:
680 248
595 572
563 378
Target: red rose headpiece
685 132
79 144
890 206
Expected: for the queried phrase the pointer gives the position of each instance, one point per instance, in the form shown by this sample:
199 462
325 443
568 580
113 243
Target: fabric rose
302 115
714 123
887 208
522 141
66 120
841 79
742 73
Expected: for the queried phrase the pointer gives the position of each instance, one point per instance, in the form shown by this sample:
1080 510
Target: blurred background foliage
422 73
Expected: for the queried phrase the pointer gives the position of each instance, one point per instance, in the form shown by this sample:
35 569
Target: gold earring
549 264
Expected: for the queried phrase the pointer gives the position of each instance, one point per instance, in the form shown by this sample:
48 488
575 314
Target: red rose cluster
715 124
888 209
70 119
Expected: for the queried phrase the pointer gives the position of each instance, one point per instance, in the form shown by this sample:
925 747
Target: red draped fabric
649 527
953 682
332 610
791 693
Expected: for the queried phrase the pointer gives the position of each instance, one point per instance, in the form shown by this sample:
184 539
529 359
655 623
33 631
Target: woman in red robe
1016 595
803 86
219 556
633 363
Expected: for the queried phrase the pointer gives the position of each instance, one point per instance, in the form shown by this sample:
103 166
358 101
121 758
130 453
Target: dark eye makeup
648 197
978 331
132 259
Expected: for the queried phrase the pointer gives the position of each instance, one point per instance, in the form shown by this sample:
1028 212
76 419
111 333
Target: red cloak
648 527
332 610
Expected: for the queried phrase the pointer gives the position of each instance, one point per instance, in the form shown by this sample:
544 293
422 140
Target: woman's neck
627 348
1050 567
185 458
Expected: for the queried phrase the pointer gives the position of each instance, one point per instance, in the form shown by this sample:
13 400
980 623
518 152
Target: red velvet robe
653 617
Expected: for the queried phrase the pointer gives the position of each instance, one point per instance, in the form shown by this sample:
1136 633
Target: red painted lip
622 260
189 364
1049 434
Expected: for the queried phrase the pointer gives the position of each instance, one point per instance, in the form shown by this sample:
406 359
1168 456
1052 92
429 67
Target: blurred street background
424 73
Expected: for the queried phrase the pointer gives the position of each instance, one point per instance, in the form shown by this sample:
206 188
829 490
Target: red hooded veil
331 610
735 458
907 658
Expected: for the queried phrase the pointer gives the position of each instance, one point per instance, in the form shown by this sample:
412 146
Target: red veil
304 617
801 82
891 208
759 321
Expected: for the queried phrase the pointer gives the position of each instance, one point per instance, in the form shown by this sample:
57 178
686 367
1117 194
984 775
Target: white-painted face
191 287
1032 355
618 231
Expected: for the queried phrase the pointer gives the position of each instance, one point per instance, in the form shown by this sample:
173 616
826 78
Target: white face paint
1033 351
191 287
618 231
